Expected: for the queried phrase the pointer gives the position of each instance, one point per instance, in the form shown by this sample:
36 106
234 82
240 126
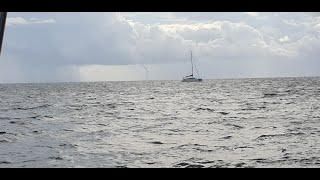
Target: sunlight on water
215 123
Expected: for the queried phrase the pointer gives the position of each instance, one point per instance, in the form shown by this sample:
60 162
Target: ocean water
163 124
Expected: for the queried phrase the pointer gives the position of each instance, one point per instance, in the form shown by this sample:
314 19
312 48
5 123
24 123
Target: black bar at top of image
3 17
159 6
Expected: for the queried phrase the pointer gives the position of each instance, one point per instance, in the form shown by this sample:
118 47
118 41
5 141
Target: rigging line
196 68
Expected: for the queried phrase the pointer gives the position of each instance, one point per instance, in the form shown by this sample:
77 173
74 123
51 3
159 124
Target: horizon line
55 82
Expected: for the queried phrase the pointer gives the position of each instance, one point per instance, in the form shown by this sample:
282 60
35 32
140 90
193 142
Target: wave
35 107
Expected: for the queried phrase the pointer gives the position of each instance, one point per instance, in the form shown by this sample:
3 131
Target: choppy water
215 123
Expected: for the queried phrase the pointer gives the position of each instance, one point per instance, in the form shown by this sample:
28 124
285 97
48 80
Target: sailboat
190 78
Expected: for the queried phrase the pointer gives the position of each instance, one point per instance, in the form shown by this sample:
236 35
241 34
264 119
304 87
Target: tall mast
191 63
3 17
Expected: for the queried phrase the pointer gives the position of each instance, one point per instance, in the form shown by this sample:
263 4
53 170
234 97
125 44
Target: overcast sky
53 47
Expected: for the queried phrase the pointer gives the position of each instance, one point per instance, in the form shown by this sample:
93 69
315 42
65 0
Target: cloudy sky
54 47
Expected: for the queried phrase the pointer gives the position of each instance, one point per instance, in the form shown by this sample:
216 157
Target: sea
222 123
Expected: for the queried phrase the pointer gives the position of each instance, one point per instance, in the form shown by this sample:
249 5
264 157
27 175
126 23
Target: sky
130 46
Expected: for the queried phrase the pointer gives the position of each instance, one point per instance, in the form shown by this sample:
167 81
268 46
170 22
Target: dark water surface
215 123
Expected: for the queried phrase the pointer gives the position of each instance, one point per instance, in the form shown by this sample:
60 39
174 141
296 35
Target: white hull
192 80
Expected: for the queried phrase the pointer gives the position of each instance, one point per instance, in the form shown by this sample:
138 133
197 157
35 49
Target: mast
191 64
3 17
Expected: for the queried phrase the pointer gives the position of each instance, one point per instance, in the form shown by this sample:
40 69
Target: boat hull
192 80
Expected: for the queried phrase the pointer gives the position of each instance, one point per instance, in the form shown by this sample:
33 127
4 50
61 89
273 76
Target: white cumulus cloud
15 21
